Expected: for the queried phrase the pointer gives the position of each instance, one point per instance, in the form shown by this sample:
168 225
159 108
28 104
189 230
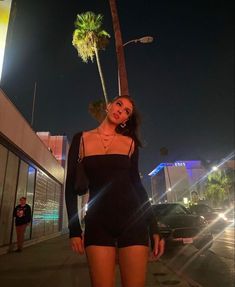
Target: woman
119 215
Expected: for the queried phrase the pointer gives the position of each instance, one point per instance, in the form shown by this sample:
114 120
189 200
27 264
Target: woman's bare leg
101 260
133 265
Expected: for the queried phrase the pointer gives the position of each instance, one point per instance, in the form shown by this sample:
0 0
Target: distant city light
214 168
185 200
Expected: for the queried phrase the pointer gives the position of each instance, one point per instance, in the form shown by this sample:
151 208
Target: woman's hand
77 244
158 247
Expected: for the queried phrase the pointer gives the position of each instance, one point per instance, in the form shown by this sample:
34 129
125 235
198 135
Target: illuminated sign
5 8
165 164
179 163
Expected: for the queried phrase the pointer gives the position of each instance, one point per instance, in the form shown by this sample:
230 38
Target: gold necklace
106 140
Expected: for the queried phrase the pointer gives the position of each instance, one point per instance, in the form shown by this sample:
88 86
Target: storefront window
3 164
38 228
8 198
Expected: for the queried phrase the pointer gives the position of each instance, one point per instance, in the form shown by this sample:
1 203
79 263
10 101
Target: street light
214 168
143 40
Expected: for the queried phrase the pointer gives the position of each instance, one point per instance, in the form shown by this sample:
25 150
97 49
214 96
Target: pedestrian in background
22 214
119 216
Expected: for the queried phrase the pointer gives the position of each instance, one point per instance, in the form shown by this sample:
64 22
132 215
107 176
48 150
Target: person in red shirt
22 214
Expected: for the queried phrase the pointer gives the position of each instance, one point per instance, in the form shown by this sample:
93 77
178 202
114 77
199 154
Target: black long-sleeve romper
119 212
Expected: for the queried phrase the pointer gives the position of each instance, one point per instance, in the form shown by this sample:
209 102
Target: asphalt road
211 268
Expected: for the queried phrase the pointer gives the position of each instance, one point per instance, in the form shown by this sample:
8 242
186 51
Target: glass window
8 198
38 227
49 215
3 163
22 181
57 207
30 185
30 195
21 187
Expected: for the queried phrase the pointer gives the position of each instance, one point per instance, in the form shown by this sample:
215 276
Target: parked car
179 227
216 218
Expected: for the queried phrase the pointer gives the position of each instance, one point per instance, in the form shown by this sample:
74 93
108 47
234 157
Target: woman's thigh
133 265
101 260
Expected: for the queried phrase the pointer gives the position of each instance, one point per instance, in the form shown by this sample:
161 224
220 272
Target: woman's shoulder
128 142
126 138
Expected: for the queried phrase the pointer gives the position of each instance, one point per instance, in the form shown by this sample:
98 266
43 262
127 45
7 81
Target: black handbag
81 182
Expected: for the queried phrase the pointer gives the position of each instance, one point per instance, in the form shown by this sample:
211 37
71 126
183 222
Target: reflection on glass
8 198
21 187
3 163
38 228
30 194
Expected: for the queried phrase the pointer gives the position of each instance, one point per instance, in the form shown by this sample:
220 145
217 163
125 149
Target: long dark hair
132 126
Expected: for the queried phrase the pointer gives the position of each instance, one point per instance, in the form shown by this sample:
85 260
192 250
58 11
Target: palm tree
89 38
217 187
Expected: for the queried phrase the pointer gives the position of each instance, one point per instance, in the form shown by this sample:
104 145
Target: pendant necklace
106 140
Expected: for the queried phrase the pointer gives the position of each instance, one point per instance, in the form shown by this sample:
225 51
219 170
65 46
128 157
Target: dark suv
179 226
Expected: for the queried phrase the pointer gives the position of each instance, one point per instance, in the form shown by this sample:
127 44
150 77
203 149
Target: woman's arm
142 194
70 194
158 244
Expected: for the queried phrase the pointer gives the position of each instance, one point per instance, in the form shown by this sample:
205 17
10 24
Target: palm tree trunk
122 74
101 76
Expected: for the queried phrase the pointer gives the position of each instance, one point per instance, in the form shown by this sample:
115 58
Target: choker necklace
106 140
105 134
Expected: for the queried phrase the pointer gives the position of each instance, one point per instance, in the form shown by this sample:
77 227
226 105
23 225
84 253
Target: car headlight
221 215
202 220
160 224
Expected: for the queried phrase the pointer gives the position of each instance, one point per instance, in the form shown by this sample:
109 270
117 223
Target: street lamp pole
122 74
143 40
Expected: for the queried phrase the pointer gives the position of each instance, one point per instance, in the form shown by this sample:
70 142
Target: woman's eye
119 104
127 112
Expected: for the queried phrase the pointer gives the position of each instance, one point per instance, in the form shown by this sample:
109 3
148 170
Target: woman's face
119 111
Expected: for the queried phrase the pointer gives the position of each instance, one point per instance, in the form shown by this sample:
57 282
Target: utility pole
122 73
33 107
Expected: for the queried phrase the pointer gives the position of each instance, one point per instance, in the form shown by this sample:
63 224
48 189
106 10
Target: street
211 268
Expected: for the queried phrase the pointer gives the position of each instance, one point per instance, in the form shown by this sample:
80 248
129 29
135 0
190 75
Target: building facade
184 181
27 168
175 182
57 145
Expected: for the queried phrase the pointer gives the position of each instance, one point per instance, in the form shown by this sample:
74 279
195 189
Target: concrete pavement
51 263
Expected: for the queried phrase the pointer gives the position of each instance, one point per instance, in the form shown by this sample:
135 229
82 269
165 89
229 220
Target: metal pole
122 73
34 96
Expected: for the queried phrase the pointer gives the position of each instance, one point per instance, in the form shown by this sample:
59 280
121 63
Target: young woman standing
119 216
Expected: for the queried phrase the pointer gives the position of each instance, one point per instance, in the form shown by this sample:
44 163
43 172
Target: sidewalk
52 264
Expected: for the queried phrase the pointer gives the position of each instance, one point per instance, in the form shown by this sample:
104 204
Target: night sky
182 82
